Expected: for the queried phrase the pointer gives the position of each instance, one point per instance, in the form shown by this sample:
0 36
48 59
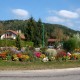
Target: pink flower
37 54
69 54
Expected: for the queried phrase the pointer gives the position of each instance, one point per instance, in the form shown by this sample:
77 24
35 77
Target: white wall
13 36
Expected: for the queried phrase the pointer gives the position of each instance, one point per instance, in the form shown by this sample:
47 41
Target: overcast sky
65 12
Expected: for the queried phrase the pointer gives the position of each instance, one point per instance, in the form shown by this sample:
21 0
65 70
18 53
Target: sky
65 12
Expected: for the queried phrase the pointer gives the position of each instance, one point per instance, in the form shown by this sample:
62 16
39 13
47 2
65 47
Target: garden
29 57
42 55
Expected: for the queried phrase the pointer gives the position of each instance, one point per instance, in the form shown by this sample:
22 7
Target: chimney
19 31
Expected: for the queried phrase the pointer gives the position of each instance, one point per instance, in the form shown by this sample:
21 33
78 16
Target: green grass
12 65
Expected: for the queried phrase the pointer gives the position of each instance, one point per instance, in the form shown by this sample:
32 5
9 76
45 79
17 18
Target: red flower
61 54
19 55
37 54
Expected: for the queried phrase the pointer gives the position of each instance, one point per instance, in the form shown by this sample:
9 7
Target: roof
16 33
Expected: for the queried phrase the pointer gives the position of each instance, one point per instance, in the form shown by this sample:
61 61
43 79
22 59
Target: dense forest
33 30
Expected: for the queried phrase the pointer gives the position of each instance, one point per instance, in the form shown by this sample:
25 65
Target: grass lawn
16 65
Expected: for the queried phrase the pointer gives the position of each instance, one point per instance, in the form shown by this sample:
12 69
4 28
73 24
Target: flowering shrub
25 57
42 56
61 55
78 56
68 54
37 54
77 50
19 55
52 58
45 59
15 58
75 56
3 55
51 52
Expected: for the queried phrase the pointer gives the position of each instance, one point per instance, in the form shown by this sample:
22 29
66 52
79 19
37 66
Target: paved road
63 74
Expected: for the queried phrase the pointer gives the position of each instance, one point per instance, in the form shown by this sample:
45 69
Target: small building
10 34
52 41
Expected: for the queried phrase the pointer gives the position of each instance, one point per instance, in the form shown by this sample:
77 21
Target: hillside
20 24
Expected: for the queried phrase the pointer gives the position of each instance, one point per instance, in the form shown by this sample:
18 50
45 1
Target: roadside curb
46 70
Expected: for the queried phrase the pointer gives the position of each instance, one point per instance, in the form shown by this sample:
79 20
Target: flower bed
31 55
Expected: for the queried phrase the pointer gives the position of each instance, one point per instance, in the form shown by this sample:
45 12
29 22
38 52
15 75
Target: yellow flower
27 57
42 56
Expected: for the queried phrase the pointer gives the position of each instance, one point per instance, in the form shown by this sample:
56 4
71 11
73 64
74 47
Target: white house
10 34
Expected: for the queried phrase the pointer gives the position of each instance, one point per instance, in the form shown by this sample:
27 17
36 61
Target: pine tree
18 42
39 25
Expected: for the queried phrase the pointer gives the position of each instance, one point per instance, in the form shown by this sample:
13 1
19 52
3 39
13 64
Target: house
10 34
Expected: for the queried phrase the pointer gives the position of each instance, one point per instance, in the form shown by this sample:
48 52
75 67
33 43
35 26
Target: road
55 74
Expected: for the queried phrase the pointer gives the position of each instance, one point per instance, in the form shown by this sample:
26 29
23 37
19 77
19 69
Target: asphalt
50 74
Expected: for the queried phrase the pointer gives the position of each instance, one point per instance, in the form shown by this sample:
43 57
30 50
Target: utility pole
43 42
6 40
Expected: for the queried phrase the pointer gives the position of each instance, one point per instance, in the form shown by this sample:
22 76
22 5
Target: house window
9 34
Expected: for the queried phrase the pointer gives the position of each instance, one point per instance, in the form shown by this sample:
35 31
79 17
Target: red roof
15 32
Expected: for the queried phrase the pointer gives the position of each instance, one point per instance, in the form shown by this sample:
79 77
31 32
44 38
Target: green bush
70 45
6 42
11 43
26 43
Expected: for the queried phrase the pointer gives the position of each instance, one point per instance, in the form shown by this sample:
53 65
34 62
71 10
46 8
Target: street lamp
43 43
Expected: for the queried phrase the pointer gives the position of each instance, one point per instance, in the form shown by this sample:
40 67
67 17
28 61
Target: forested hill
64 28
33 29
20 24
